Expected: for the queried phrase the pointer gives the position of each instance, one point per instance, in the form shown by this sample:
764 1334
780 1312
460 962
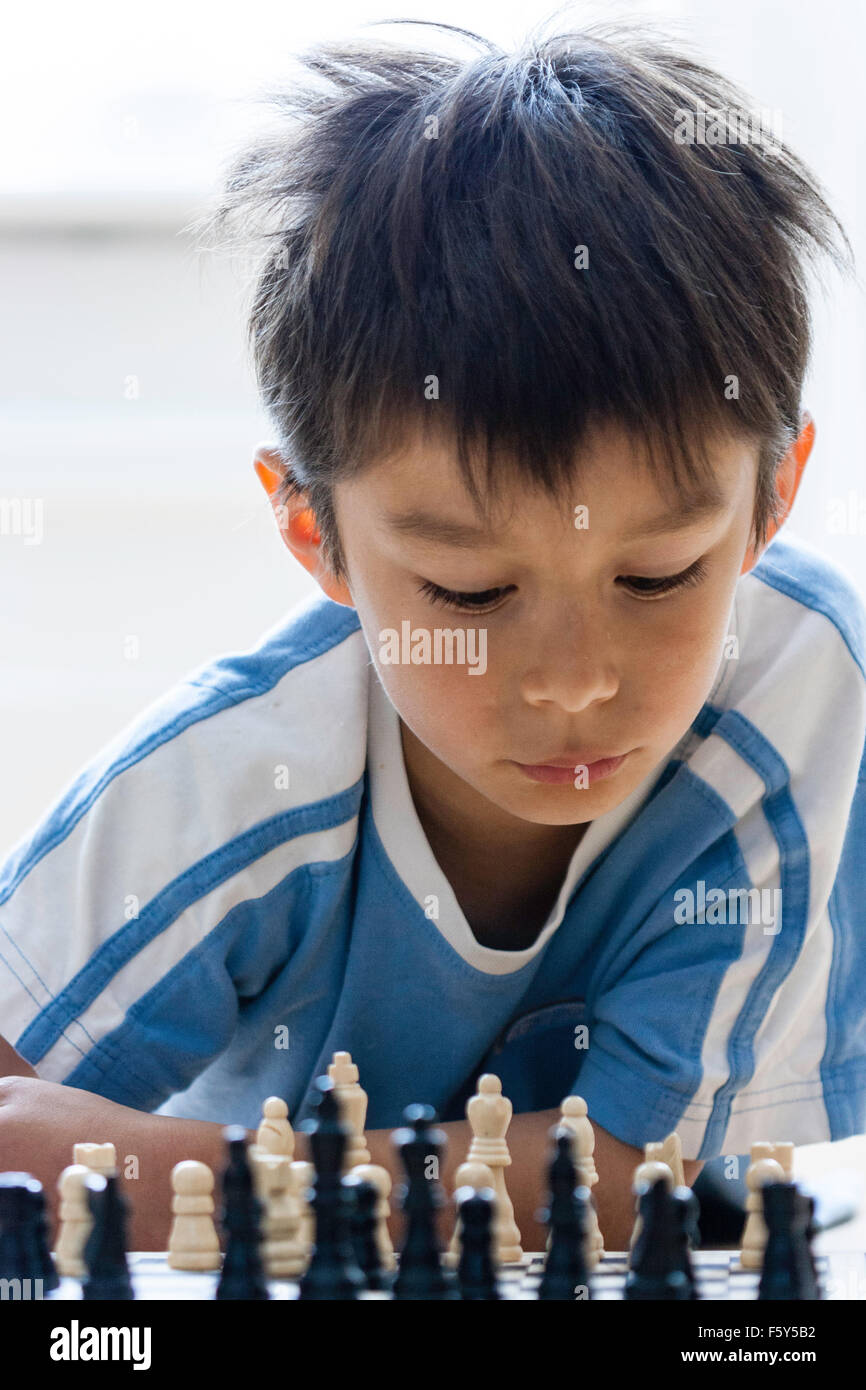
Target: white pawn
302 1176
647 1172
99 1158
282 1252
76 1221
755 1231
353 1108
275 1135
381 1180
469 1174
574 1116
781 1153
489 1115
193 1242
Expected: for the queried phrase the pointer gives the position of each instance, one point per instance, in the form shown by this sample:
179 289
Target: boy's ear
788 476
296 523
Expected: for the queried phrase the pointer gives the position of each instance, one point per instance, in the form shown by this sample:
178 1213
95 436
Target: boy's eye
482 600
648 588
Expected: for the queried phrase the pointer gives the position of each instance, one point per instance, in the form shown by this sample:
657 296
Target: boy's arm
526 1179
41 1120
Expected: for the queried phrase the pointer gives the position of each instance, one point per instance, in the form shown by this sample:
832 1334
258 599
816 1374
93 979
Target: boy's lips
563 767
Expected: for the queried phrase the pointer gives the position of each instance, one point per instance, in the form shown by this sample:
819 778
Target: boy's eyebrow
427 526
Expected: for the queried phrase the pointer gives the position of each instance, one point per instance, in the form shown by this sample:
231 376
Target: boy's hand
41 1120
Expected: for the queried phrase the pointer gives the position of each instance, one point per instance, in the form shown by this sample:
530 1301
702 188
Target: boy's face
582 659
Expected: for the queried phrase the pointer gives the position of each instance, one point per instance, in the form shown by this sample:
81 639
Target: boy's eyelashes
485 600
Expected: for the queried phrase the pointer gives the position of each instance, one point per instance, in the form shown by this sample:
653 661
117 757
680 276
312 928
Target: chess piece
475 1175
282 1252
754 1239
363 1199
669 1151
353 1107
643 1174
657 1271
105 1251
193 1242
573 1115
242 1277
783 1154
421 1275
301 1180
332 1273
476 1276
686 1210
24 1253
788 1271
99 1158
566 1273
489 1115
381 1180
275 1134
75 1221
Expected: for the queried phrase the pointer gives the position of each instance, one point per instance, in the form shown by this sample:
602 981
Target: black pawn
686 1210
332 1273
105 1252
657 1266
421 1276
242 1277
476 1276
788 1271
24 1253
363 1199
566 1276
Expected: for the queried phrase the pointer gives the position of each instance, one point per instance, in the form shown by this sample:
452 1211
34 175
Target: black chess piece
566 1275
105 1252
24 1254
657 1271
476 1275
363 1198
242 1276
686 1211
421 1275
332 1273
788 1271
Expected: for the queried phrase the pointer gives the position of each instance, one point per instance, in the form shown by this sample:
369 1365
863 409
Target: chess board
720 1279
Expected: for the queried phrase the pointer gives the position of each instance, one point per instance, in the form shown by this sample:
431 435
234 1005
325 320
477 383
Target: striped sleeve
159 892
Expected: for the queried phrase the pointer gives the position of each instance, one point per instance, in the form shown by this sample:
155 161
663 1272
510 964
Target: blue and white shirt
239 885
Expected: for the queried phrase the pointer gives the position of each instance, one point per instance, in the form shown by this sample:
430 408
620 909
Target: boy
559 777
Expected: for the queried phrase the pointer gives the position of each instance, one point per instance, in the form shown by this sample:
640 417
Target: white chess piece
99 1158
381 1180
76 1221
302 1175
574 1116
193 1242
282 1250
469 1174
754 1240
275 1135
353 1108
647 1172
669 1151
489 1115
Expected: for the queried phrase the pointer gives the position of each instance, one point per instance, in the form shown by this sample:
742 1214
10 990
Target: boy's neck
505 872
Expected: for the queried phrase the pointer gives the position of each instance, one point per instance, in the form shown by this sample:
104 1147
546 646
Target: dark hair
419 215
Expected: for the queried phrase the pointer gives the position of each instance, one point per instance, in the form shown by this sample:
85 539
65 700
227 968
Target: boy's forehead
419 492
